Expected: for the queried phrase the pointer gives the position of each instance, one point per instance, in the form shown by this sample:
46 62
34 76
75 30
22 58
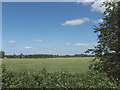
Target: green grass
73 65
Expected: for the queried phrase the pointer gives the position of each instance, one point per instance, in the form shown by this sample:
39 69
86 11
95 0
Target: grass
73 65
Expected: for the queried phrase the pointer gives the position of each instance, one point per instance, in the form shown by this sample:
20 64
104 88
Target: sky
49 27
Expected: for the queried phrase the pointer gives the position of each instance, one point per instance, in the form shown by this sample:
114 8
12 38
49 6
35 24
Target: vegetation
2 54
46 56
108 48
105 69
73 65
43 79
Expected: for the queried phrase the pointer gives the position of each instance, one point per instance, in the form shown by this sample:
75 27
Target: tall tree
108 48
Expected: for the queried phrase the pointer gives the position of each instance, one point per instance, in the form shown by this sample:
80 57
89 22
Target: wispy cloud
11 41
28 47
82 44
84 2
77 44
97 21
37 40
75 22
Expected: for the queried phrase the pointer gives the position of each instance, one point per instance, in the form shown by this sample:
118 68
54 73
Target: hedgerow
43 79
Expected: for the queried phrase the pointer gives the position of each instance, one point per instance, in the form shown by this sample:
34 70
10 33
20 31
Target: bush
43 79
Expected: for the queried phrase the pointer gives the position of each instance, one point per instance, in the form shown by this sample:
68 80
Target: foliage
46 56
43 79
2 54
108 48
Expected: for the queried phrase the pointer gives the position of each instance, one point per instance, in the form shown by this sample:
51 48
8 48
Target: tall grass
73 65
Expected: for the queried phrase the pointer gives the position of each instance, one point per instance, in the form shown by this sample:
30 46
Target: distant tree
14 55
21 55
2 54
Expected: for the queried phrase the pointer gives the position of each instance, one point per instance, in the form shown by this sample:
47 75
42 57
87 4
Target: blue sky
48 28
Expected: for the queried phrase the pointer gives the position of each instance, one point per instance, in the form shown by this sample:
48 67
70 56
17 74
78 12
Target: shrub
43 79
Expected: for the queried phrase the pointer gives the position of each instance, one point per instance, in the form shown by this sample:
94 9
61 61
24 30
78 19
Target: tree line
2 55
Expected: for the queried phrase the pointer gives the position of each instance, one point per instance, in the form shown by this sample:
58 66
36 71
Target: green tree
2 54
108 48
21 55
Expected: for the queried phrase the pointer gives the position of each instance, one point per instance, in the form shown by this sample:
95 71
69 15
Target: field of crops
73 65
73 78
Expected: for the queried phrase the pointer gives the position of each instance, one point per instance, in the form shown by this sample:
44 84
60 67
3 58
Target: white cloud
82 44
28 47
75 22
12 41
77 44
97 6
94 7
37 40
97 21
68 43
84 2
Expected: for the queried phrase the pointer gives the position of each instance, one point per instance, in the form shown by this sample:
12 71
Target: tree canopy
108 48
2 54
